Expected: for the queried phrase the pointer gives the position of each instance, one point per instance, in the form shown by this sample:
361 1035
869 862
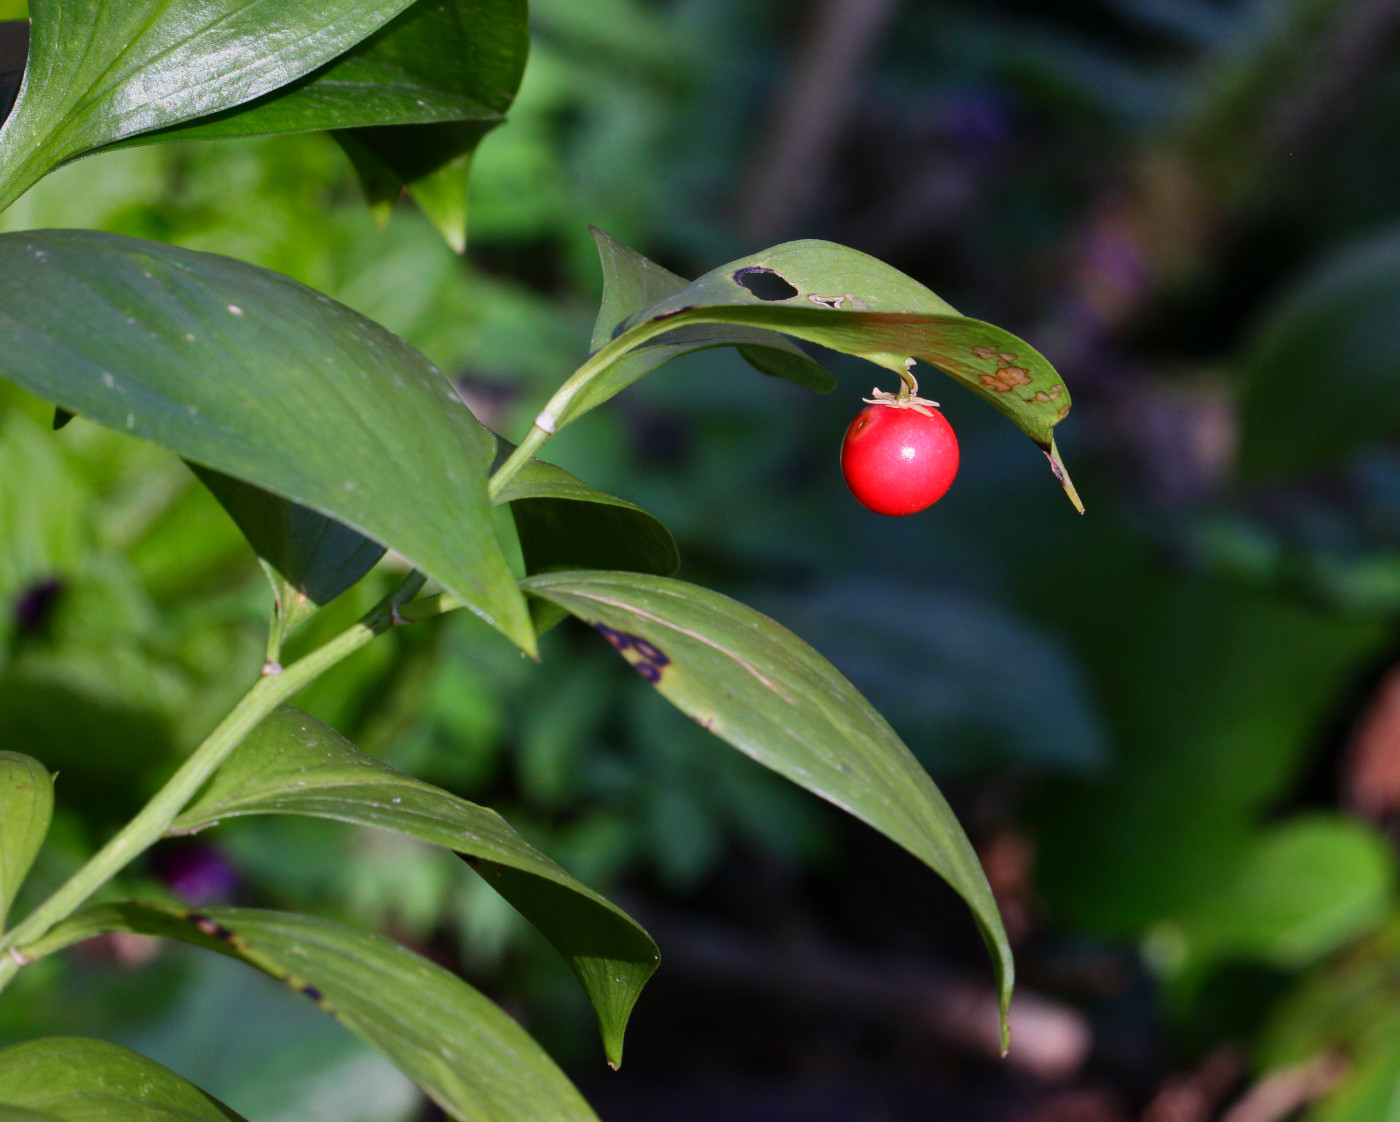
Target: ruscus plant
329 440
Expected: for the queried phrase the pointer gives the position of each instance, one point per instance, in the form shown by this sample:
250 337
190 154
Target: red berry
899 461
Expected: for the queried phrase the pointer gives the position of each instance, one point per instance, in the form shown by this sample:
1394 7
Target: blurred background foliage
1171 726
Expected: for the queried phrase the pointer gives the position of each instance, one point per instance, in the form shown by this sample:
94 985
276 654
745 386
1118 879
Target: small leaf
73 1079
312 559
26 808
468 1056
566 524
1306 887
293 764
754 684
102 73
847 301
253 375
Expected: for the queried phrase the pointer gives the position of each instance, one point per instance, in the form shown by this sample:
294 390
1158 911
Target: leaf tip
1057 465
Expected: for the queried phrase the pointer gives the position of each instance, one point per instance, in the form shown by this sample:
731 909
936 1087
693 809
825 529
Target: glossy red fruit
899 461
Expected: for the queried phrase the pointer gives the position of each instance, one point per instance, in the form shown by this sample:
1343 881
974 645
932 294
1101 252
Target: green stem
155 818
560 409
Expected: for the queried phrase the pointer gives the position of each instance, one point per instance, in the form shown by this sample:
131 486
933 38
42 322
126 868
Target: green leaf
841 299
472 1059
26 808
251 374
103 72
409 104
311 559
632 283
1303 889
73 1079
566 524
1320 381
754 684
293 764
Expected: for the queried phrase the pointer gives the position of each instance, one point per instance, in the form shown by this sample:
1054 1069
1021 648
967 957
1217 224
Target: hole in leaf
766 284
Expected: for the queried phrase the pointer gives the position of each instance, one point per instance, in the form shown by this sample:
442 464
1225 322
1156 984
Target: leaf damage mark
765 283
1045 397
845 300
1006 379
645 657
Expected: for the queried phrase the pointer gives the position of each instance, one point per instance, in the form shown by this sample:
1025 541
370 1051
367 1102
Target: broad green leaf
293 764
472 1059
311 559
1320 380
632 283
754 684
409 104
74 1079
847 301
100 73
251 374
26 808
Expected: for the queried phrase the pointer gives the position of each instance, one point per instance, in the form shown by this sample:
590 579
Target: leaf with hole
470 1058
293 764
26 808
260 378
632 283
99 73
844 300
74 1079
759 687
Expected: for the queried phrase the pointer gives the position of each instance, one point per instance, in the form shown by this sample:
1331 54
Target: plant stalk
154 819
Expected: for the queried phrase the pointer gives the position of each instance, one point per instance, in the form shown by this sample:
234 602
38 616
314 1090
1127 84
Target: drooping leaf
632 283
468 1056
844 300
26 808
251 374
311 559
409 104
757 686
74 1079
1320 380
293 764
100 73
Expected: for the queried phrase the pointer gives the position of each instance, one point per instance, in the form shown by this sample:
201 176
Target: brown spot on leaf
1006 357
985 353
1005 379
1064 410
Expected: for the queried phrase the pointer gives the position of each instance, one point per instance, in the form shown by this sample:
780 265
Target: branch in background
1049 1039
816 106
1280 1093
